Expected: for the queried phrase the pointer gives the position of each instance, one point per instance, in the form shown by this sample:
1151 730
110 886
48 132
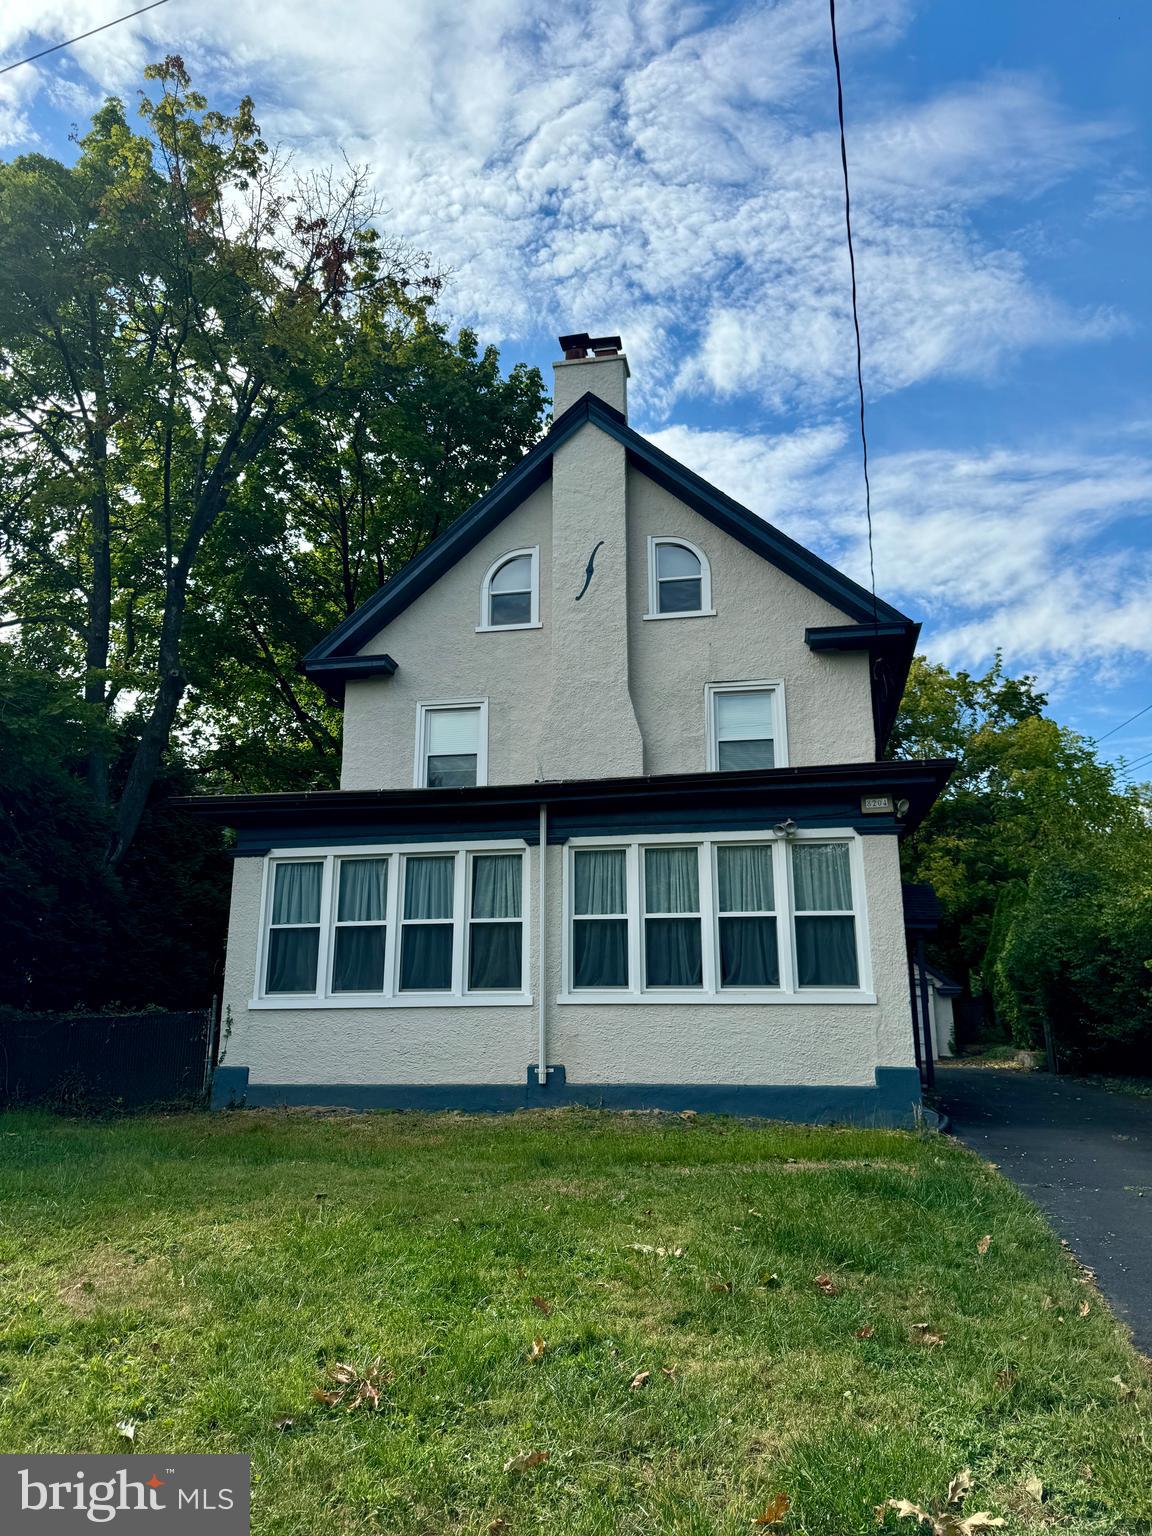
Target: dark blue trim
892 1100
534 469
852 637
229 1087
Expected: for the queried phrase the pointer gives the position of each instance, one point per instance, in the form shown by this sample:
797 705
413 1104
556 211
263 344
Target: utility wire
855 310
1123 723
55 48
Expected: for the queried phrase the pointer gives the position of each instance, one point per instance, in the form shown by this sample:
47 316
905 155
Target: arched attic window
510 595
679 580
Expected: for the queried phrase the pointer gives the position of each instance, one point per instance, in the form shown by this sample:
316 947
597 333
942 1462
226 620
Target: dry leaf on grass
538 1348
526 1461
354 1386
1085 1308
723 1287
498 1526
668 1370
769 1281
1006 1379
661 1253
1125 1389
284 1424
640 1379
542 1306
826 1284
921 1333
1035 1488
960 1487
126 1428
984 1244
777 1507
866 1332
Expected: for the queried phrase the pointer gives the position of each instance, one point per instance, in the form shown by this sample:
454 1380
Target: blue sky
669 171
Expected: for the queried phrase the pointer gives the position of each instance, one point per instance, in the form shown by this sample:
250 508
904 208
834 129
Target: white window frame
711 993
391 996
706 610
774 687
485 627
425 708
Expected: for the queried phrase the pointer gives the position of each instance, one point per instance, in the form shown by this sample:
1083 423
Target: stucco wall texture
599 690
786 1043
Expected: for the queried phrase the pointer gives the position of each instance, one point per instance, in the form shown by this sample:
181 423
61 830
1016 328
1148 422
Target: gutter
542 954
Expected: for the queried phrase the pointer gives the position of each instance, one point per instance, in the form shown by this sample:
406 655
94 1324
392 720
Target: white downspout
542 955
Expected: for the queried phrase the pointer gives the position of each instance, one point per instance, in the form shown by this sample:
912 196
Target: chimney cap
575 348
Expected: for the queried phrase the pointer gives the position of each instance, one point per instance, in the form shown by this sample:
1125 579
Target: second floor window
745 726
679 580
510 595
451 745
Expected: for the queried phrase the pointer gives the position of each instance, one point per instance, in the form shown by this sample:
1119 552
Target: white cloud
1025 549
651 168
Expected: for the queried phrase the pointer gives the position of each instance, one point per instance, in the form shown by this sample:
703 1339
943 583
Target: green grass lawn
201 1277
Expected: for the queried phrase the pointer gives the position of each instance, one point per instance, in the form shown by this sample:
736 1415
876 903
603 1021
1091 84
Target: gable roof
889 634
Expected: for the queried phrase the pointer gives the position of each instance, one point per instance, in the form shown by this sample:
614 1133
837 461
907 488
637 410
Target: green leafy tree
211 384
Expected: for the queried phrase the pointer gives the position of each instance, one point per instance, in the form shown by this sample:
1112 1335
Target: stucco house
613 825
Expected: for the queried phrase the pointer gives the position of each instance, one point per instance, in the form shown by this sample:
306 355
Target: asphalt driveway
1084 1155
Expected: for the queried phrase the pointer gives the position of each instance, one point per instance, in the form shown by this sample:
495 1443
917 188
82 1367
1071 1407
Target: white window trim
426 707
711 994
706 610
391 996
484 628
775 687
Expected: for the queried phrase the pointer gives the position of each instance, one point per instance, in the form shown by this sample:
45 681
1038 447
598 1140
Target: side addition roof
889 635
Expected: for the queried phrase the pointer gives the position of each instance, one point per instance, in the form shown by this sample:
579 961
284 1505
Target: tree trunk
99 627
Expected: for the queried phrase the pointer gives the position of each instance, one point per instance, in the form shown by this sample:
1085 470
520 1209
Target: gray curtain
825 946
497 884
671 880
296 898
826 952
428 886
358 960
749 955
601 882
495 949
363 891
426 952
744 879
822 877
292 956
600 941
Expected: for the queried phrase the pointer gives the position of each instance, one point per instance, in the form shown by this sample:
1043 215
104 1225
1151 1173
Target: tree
1042 864
184 330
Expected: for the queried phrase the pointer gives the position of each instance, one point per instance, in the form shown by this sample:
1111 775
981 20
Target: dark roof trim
852 637
334 671
918 782
533 470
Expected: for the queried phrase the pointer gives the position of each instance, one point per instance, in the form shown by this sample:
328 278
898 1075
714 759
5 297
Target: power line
855 310
55 48
1139 762
1123 723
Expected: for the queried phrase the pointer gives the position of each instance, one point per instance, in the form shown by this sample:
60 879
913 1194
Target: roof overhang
891 646
889 797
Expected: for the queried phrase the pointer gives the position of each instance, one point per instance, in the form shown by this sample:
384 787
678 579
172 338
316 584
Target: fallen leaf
526 1461
127 1428
639 1380
320 1396
984 1244
542 1306
1006 1379
1085 1308
285 1423
827 1285
498 1526
723 1287
960 1487
355 1386
688 1114
775 1511
1125 1389
668 1370
769 1281
905 1510
538 1348
866 1332
921 1333
982 1521
1035 1487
